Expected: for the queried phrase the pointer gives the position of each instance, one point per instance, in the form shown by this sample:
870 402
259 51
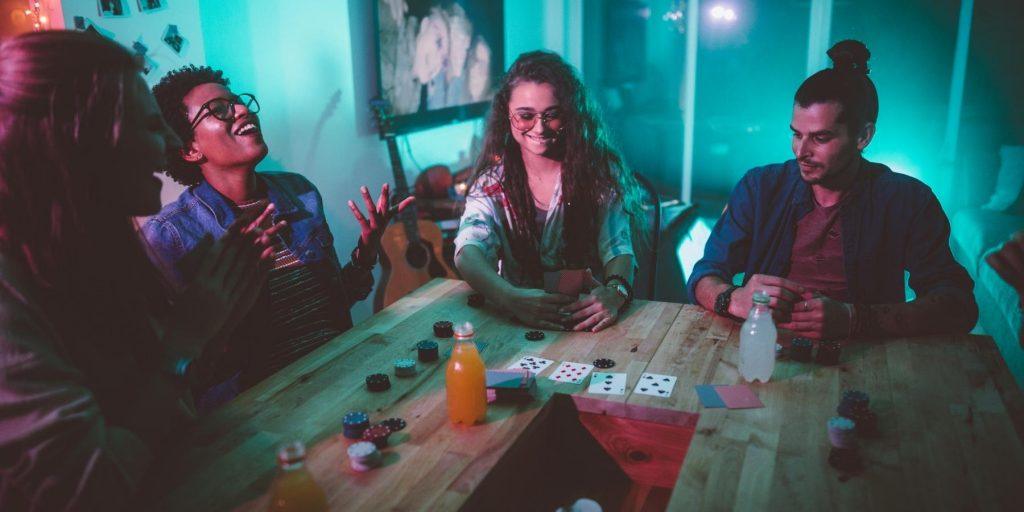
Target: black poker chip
604 363
846 459
378 382
476 300
801 350
535 335
395 424
427 350
443 329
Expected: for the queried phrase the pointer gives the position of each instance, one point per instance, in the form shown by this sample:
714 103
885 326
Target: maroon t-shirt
817 259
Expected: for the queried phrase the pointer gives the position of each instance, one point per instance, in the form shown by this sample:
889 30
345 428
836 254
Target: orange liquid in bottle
465 380
294 489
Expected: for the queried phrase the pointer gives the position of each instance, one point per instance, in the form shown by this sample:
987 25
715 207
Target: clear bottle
294 489
465 380
757 341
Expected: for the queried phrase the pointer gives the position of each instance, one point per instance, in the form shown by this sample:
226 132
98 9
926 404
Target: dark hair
63 100
845 83
593 172
170 95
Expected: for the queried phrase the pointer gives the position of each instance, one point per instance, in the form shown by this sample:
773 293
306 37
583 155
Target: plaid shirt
482 226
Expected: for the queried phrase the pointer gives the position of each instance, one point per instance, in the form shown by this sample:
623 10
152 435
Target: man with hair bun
829 234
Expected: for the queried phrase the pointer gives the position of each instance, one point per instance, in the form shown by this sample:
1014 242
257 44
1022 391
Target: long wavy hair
63 97
593 172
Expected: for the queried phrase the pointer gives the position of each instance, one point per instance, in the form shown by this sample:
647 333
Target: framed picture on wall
111 8
151 5
438 61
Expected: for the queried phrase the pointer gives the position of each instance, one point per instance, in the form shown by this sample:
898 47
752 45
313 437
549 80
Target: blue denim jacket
891 222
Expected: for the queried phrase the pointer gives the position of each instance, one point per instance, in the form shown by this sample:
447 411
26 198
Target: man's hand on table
818 317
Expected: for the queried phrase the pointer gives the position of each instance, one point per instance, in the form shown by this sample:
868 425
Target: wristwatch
723 300
621 290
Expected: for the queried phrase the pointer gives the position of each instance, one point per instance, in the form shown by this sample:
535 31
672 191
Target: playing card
655 384
708 397
607 383
534 364
738 397
570 372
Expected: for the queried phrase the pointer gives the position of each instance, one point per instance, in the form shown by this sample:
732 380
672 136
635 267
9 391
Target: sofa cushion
976 231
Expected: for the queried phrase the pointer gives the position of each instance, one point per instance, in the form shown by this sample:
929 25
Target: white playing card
534 364
570 372
655 384
607 383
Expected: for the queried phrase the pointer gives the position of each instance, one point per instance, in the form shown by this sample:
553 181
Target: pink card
738 397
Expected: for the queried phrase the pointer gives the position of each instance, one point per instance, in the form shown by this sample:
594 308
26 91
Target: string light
675 16
34 14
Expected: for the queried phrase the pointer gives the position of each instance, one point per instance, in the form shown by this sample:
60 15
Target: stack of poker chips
405 367
828 352
378 382
378 435
443 329
355 422
844 455
854 406
427 350
800 350
363 456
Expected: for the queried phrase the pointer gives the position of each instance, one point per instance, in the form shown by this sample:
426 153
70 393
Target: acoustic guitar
410 248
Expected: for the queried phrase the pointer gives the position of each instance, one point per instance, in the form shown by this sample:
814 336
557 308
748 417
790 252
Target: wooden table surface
951 418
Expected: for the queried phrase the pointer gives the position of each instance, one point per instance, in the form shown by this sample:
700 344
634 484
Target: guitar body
407 266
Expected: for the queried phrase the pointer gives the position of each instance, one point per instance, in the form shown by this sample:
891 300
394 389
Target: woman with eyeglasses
305 300
94 357
550 193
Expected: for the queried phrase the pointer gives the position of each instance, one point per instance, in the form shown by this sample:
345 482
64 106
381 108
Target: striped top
302 312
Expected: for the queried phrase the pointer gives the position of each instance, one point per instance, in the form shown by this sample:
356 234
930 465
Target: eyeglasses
526 120
224 108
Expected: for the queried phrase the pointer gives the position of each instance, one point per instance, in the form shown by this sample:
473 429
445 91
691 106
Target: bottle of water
757 341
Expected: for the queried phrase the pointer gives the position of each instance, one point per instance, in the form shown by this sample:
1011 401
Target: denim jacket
891 223
201 210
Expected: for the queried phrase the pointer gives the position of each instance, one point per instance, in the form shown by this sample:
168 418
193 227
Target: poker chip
842 432
535 335
476 300
363 456
828 352
867 423
378 435
395 424
378 382
603 363
405 367
800 350
427 350
853 404
354 423
443 329
845 459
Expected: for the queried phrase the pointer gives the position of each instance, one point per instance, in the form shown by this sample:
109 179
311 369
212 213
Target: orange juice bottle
465 380
294 489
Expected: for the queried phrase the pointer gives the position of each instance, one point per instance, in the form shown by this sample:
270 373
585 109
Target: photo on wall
111 8
439 61
174 40
151 5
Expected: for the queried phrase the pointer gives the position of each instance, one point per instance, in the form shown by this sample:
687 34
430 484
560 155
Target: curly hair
170 96
593 172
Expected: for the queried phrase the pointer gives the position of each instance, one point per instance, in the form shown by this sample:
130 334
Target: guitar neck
409 215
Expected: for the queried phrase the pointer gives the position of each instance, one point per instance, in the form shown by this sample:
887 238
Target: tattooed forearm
946 311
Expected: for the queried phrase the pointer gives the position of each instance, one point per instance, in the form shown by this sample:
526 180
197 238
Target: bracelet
625 284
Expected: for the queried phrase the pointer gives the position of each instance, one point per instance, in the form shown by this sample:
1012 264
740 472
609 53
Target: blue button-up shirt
891 223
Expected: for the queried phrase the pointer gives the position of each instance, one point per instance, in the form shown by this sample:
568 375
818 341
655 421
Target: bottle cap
291 453
761 297
464 331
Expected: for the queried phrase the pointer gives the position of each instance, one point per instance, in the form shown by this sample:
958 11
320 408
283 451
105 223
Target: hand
536 307
597 309
231 271
783 293
380 216
819 318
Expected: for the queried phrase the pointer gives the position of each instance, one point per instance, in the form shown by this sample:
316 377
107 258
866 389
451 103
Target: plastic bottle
757 341
294 489
465 380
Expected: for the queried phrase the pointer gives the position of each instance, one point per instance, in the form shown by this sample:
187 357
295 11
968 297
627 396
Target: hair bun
850 55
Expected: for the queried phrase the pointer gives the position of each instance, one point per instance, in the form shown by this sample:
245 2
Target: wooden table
951 418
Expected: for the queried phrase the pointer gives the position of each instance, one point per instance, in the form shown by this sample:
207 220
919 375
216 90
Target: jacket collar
223 209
